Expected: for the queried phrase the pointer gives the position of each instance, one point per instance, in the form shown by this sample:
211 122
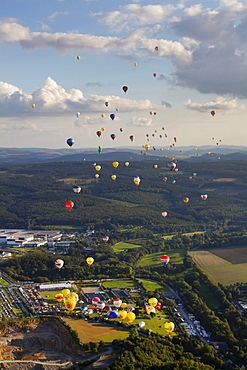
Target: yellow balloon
156 166
126 164
169 326
115 164
74 295
78 57
70 303
102 129
90 260
130 317
32 105
122 314
146 146
124 305
65 292
59 297
135 64
102 115
98 167
153 301
96 175
113 177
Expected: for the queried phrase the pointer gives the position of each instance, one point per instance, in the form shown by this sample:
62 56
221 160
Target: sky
62 60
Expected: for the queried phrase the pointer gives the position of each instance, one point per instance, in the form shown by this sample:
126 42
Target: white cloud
52 99
20 125
219 104
140 122
193 10
55 14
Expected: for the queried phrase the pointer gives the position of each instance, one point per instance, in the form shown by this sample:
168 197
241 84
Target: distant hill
188 153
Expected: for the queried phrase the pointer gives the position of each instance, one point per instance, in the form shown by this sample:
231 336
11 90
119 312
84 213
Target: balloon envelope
59 263
165 259
76 189
70 142
169 326
130 317
90 260
69 204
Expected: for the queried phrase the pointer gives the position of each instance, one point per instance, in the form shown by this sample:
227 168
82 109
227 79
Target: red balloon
69 204
98 133
154 74
105 238
165 259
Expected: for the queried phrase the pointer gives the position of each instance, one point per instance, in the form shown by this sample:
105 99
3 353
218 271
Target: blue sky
200 66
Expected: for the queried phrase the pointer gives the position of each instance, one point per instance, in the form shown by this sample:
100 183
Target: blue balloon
114 315
70 141
112 116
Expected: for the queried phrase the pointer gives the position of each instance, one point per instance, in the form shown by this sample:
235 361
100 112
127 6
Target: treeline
33 196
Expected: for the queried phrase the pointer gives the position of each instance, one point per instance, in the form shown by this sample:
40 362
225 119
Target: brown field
95 332
224 179
207 259
234 255
91 289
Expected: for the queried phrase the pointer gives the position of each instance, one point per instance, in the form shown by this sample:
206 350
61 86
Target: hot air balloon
124 305
99 149
102 115
171 166
153 301
164 179
154 74
156 48
102 129
186 199
125 88
70 303
121 130
165 260
135 64
141 324
136 180
117 302
112 116
156 166
130 317
97 167
96 175
59 297
95 301
70 142
175 139
169 326
113 177
78 57
115 164
69 204
164 214
101 305
132 137
65 292
106 103
90 260
113 136
212 112
77 189
78 114
126 164
158 306
105 238
204 196
114 315
98 133
59 263
122 314
146 146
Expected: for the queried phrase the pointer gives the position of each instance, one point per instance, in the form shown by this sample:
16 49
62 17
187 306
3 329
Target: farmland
225 265
120 284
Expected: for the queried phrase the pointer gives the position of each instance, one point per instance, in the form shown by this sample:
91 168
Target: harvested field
233 255
95 332
207 259
91 289
227 275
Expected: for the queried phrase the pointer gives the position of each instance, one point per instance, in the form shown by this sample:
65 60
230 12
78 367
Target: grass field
121 284
4 282
151 286
176 257
50 296
120 247
209 297
227 275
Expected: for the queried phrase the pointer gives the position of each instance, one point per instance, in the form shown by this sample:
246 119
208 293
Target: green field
176 258
50 296
227 275
208 296
121 284
151 286
120 247
4 282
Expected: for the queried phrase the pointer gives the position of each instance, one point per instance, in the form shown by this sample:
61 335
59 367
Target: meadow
120 247
151 286
176 258
120 284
